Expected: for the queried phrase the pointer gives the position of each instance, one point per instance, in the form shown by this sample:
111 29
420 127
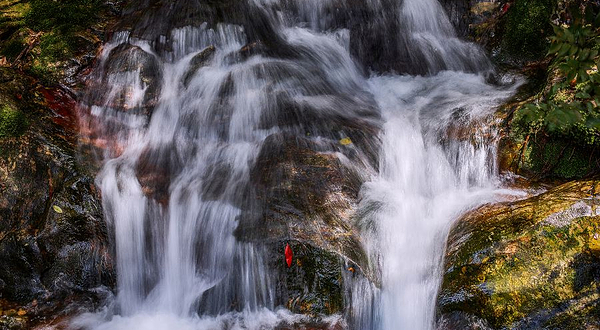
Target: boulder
198 61
124 59
306 198
527 264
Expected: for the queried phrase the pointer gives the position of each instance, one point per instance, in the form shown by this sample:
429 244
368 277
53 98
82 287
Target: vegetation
65 16
562 127
527 27
36 35
12 122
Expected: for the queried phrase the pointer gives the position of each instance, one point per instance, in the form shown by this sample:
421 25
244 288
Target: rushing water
174 183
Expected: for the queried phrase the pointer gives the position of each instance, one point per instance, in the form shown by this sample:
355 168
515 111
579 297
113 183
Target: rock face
306 198
528 264
53 239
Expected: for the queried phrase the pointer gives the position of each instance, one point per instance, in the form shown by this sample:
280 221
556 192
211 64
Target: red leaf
288 255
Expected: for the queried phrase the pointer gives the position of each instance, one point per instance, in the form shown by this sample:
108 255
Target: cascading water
433 167
427 179
186 115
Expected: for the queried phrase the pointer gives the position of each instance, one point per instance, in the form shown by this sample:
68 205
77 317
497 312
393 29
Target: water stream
175 183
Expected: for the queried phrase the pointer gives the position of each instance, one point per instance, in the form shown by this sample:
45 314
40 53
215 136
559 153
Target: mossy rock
53 40
305 195
306 198
527 264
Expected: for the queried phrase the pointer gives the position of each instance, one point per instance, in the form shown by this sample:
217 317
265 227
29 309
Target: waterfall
182 117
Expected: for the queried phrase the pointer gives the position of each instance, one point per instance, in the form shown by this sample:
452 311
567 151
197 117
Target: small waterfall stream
426 180
177 174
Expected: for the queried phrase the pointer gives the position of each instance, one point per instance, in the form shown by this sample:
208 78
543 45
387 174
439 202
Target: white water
424 185
179 265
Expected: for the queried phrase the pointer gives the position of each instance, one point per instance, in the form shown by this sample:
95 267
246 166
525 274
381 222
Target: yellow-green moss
12 122
537 258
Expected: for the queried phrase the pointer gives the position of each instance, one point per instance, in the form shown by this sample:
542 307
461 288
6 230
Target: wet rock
130 70
305 188
127 57
150 19
359 124
53 240
154 170
460 13
527 264
314 283
461 321
377 47
305 198
244 53
198 61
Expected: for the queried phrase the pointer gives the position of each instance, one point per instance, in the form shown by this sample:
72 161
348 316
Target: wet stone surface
527 264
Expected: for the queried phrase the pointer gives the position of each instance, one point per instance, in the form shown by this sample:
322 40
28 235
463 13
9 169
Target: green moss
527 28
44 71
12 122
526 275
62 15
54 47
522 265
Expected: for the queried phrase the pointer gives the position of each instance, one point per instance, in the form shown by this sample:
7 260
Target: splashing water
177 173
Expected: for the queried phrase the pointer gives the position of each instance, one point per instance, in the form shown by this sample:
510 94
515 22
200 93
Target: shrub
568 113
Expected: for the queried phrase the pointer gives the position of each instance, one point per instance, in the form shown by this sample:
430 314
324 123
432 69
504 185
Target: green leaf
582 95
562 116
554 48
573 50
583 76
593 122
57 209
558 29
583 55
569 36
528 114
564 49
586 31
